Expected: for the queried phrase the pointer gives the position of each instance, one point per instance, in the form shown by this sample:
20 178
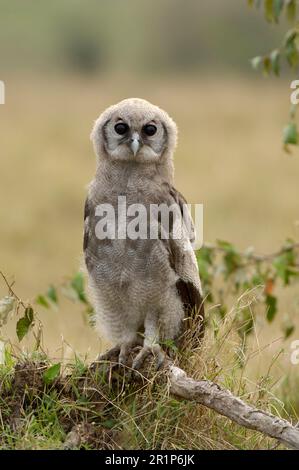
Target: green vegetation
287 51
240 272
76 404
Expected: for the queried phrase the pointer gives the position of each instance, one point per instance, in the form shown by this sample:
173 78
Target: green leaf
225 245
288 329
256 62
206 254
266 65
291 10
285 264
170 344
203 269
52 294
277 8
204 258
258 279
232 262
290 134
22 328
275 61
271 303
269 10
290 36
41 300
24 323
291 50
52 373
77 283
109 423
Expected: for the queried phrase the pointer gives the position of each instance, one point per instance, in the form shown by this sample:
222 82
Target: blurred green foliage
288 52
133 35
245 272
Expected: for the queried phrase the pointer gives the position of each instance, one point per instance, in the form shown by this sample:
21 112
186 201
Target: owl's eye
121 128
149 129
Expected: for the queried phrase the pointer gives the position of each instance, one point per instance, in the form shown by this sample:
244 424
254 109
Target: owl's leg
151 343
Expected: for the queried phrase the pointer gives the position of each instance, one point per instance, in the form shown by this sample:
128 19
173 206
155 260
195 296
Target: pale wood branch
224 402
212 396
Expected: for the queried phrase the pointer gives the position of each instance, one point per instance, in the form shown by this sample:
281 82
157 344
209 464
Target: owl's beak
135 143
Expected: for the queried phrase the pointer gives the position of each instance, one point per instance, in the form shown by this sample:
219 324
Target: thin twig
254 256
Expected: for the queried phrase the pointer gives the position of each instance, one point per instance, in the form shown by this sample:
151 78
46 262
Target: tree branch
224 402
212 396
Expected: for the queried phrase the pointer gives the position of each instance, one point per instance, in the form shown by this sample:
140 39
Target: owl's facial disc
135 137
134 130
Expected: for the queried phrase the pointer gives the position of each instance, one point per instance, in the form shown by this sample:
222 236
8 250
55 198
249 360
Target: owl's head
134 130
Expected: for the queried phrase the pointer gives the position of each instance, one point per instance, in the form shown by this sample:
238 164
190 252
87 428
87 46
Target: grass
95 407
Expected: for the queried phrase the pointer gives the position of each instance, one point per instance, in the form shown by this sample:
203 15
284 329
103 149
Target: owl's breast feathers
181 261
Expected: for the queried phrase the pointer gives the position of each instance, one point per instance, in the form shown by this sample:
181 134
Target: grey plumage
141 289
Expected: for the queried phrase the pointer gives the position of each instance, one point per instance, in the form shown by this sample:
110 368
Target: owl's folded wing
89 241
183 261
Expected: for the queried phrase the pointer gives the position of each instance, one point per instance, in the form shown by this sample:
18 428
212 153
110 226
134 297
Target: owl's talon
160 359
126 350
123 359
109 355
155 350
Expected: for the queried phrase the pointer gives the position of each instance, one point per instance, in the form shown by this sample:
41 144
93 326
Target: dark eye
121 128
149 129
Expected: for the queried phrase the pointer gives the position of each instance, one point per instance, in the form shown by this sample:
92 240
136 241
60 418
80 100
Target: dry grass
103 408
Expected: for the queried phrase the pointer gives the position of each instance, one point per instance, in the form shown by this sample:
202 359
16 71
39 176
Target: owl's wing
183 262
86 223
89 242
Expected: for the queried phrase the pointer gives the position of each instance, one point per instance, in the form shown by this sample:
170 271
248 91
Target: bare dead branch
212 396
224 402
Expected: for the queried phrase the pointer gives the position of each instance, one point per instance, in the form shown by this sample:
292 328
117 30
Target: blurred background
63 62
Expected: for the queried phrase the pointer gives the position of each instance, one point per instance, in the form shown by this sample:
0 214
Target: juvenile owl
143 283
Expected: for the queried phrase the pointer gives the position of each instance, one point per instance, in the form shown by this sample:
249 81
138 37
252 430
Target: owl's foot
155 350
126 350
110 355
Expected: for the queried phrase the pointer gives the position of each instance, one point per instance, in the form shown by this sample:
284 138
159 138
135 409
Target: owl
142 287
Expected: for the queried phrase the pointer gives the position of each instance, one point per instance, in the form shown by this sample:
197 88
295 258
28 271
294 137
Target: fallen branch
224 402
